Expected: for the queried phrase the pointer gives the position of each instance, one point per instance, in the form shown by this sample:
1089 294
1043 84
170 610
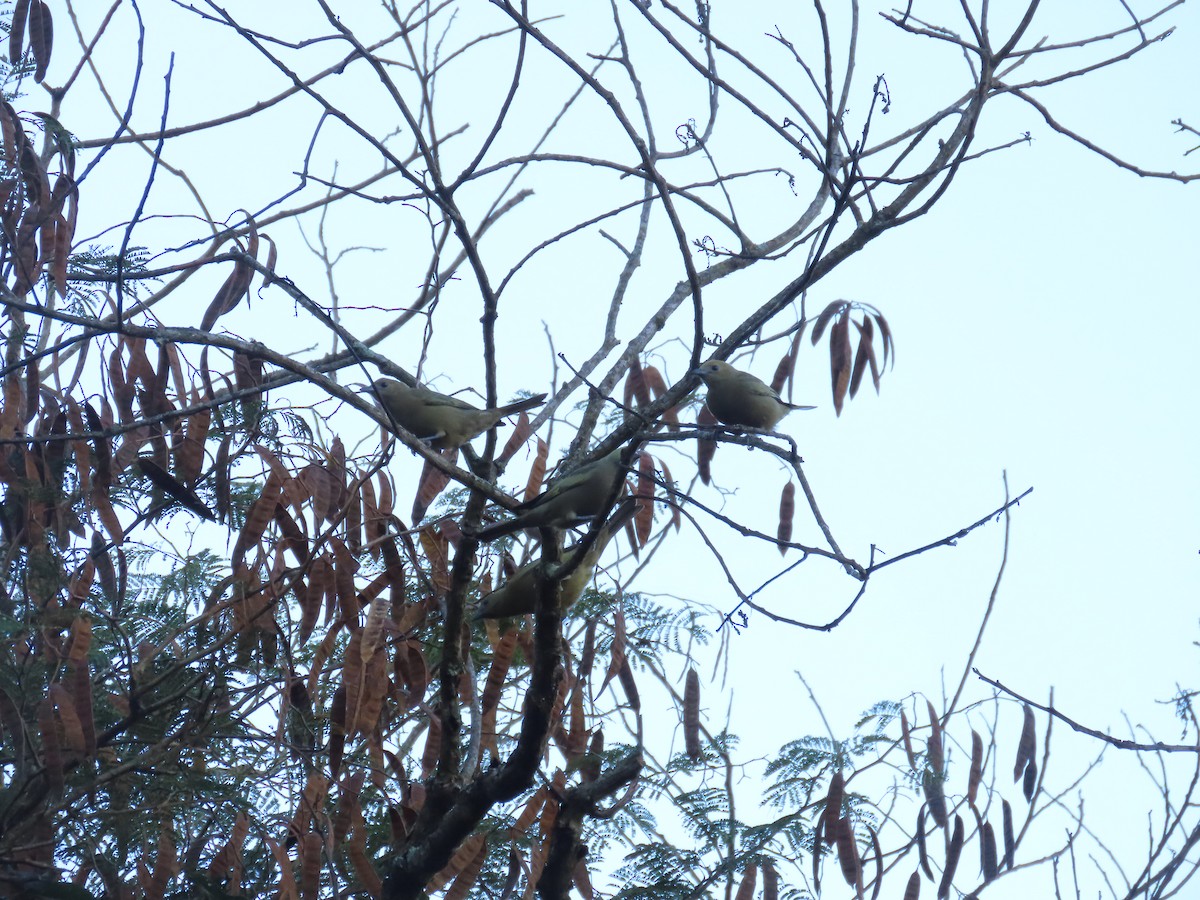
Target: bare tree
217 618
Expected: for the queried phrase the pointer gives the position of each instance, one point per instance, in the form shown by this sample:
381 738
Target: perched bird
518 596
577 497
445 422
739 398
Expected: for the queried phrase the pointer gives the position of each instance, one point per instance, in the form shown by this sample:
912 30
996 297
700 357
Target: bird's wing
756 387
433 398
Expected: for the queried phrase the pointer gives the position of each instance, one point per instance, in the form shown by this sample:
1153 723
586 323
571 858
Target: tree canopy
248 299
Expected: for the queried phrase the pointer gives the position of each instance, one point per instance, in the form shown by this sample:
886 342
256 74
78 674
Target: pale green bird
577 497
518 596
739 398
445 422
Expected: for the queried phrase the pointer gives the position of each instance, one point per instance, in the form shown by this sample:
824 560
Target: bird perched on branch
445 422
739 398
577 497
518 596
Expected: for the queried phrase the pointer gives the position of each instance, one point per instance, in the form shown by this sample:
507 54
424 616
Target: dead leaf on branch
848 366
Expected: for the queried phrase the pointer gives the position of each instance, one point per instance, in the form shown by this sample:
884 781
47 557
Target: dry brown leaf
588 656
337 731
635 387
1030 783
463 857
818 854
1027 746
922 846
287 888
885 335
312 596
173 487
521 433
310 865
582 880
625 676
617 649
987 852
364 675
72 739
386 494
292 537
490 699
644 521
394 569
1010 844
469 875
41 37
345 567
782 371
935 796
787 512
770 881
839 360
976 776
833 806
577 736
877 852
437 552
537 472
589 767
745 890
347 805
352 523
432 482
433 746
826 315
908 747
374 524
16 36
81 695
863 356
691 716
937 759
669 483
166 864
953 852
658 385
706 448
367 876
222 476
847 849
189 457
529 815
234 288
79 639
319 484
261 511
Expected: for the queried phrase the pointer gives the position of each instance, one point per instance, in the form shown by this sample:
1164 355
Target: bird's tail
521 405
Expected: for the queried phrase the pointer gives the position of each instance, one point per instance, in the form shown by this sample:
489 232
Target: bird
445 423
571 500
518 595
740 399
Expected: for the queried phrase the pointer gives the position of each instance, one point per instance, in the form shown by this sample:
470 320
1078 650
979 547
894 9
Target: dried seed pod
976 767
691 716
1027 746
987 852
1010 844
953 852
